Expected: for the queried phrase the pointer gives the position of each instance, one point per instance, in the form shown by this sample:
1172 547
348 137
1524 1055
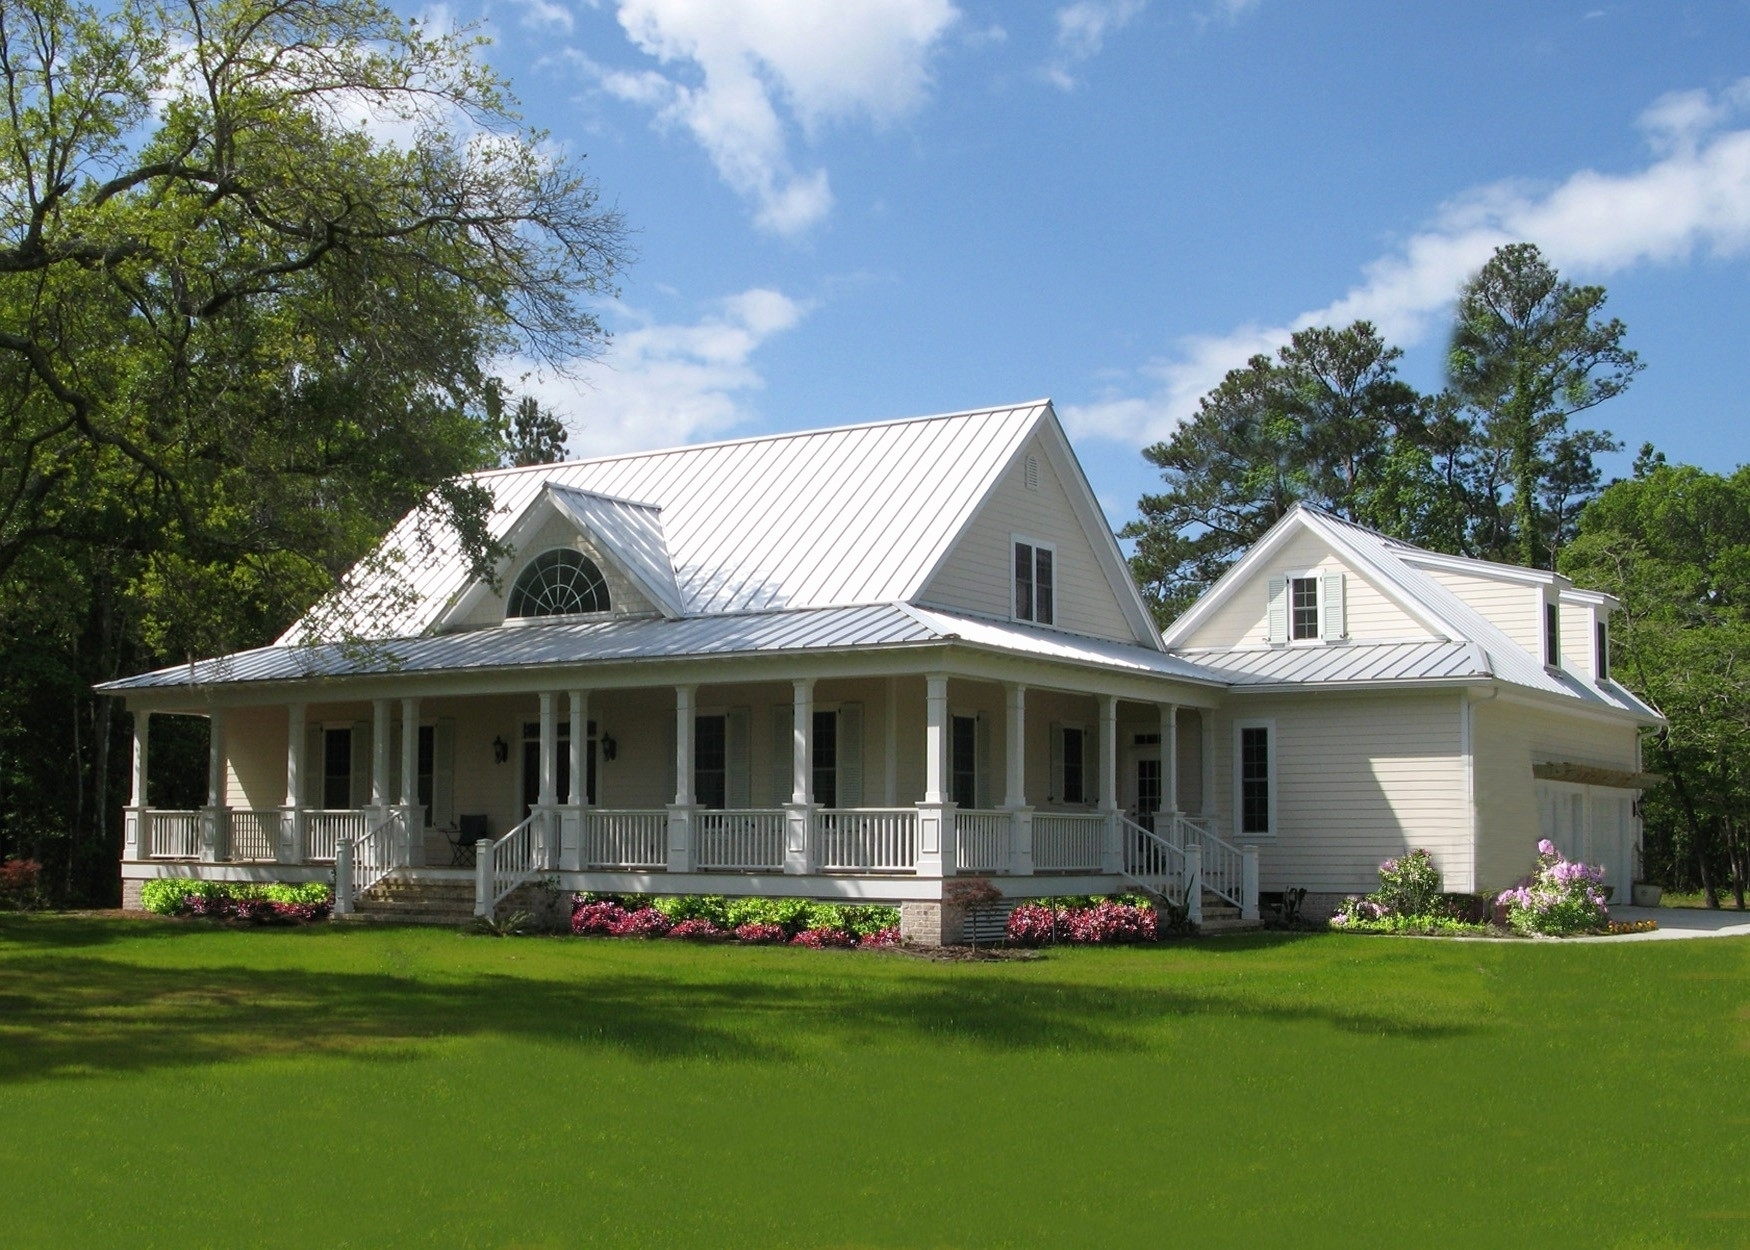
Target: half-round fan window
559 583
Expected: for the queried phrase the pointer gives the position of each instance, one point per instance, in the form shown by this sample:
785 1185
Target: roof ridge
513 470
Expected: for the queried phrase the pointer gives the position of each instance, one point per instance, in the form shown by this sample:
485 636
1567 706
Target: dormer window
1552 635
561 582
1601 648
1303 598
1307 607
1035 583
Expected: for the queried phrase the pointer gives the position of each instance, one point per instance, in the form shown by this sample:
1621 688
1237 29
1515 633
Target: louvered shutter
395 761
738 783
982 778
361 763
315 764
1277 620
850 756
443 774
783 753
1333 615
1091 764
1056 794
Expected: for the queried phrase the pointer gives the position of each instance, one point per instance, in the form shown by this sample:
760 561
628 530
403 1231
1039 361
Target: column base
932 924
936 843
680 837
799 837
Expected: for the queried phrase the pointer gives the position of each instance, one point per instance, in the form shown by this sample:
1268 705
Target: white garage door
1593 824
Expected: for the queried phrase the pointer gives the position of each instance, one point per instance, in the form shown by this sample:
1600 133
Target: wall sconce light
610 748
500 750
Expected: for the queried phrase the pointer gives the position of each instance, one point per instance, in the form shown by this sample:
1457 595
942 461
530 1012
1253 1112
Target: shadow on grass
72 1015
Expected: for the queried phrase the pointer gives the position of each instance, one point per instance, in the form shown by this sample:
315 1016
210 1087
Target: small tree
534 435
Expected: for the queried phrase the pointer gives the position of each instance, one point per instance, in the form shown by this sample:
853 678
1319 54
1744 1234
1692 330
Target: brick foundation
131 894
932 924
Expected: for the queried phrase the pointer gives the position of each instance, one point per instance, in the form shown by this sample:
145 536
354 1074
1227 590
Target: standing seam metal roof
822 518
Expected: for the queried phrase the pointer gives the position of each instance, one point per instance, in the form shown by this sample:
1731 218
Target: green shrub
168 896
712 907
1409 885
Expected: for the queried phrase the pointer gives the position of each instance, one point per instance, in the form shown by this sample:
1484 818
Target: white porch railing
511 861
745 840
1068 841
866 839
361 862
1153 862
255 835
632 839
174 835
1224 864
982 840
326 829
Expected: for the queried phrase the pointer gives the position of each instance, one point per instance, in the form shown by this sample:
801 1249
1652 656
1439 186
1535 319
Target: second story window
1552 635
1601 644
560 582
1035 583
1303 593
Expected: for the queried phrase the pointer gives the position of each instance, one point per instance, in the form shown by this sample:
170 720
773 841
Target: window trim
1552 633
1318 584
1037 545
1600 649
516 587
1086 729
1272 775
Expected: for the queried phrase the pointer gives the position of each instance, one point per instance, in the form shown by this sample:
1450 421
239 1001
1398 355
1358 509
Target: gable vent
1032 472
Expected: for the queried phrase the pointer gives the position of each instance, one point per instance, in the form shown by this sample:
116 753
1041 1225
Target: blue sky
861 209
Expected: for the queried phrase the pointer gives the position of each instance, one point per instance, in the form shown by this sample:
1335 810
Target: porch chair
469 830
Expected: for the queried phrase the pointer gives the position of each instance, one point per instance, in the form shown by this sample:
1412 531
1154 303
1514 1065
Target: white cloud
1082 29
546 14
739 74
1693 197
663 384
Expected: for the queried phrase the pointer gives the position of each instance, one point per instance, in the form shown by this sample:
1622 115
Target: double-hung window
1035 583
1552 635
1303 607
1601 645
1254 777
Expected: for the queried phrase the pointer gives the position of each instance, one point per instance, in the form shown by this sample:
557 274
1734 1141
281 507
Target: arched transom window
560 582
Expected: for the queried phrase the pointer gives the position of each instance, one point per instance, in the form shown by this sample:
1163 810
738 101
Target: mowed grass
166 1084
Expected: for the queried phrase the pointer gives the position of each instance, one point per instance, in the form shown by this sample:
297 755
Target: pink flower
1546 847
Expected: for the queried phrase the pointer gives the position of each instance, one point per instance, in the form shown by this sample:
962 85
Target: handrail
1153 862
740 839
361 862
511 861
1223 862
866 839
982 840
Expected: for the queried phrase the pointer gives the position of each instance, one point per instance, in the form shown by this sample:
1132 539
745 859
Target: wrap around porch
733 788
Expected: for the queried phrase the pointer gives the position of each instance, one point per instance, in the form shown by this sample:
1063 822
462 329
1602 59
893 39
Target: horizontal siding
1510 737
1359 779
1243 618
1578 642
978 574
1515 610
255 749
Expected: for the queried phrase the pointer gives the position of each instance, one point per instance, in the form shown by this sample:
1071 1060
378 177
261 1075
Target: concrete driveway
1678 922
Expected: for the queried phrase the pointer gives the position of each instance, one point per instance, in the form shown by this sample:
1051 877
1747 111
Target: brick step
444 920
1228 924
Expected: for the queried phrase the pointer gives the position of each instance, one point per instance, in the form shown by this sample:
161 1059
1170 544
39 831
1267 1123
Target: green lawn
166 1084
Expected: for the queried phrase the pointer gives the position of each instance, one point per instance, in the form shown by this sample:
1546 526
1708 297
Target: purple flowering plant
1562 897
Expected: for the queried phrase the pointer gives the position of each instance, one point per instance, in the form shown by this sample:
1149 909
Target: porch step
399 900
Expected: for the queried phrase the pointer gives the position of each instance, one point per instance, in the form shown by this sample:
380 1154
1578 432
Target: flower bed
1084 921
753 921
1563 897
252 904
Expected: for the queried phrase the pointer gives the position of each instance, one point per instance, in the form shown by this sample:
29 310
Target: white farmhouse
855 663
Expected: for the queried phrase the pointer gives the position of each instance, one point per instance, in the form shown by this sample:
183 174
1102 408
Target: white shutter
850 757
783 753
738 782
315 761
1333 612
395 761
361 763
1056 794
443 774
1277 619
1091 764
982 777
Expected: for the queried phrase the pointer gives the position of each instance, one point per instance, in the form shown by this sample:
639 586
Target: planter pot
1648 895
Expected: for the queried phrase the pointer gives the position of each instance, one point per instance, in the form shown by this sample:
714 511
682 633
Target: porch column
213 825
571 823
936 813
1170 759
1015 787
1112 859
890 755
413 812
799 811
291 848
680 812
547 793
381 725
137 825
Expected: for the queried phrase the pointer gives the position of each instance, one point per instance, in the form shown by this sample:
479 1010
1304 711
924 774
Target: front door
1143 781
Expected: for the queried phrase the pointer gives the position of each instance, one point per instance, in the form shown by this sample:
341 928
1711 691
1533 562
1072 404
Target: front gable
1237 611
1032 503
